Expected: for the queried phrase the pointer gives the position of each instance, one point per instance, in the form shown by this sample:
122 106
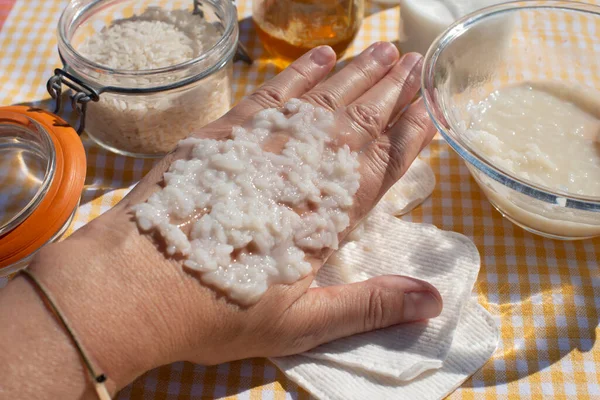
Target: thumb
325 314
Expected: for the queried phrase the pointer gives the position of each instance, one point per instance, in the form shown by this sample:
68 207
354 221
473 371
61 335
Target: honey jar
290 28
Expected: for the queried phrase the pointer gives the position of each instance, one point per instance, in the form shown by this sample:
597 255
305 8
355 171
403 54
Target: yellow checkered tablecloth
544 294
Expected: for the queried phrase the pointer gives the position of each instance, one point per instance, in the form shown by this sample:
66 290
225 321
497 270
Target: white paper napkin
447 260
416 185
475 341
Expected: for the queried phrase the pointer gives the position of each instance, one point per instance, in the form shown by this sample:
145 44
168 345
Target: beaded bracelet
98 379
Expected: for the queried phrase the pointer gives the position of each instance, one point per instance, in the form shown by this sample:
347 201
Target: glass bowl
512 43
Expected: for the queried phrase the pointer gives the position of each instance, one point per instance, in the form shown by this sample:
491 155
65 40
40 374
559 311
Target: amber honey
289 29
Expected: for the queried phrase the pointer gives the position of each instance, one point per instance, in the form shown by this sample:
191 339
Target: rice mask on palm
255 214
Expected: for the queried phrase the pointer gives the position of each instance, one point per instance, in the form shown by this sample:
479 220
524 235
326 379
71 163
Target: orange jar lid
42 173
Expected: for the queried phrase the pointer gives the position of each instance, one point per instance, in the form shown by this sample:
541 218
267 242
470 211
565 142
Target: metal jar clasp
81 96
241 54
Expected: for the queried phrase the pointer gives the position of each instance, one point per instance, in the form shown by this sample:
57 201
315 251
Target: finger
301 76
356 78
326 314
387 158
372 112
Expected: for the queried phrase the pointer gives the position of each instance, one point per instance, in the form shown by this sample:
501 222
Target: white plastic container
422 21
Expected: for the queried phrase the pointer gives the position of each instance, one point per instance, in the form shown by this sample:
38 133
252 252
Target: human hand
164 313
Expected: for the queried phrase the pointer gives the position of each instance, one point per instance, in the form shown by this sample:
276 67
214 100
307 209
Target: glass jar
42 169
290 28
145 112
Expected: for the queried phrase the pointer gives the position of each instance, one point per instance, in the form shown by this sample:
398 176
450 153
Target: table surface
543 294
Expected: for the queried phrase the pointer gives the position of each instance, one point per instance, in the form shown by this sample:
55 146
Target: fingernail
386 53
421 305
413 61
323 55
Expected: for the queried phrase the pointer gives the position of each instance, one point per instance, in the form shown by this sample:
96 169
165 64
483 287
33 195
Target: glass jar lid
42 173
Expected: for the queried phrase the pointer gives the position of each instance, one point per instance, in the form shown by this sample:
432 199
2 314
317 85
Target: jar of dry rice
146 73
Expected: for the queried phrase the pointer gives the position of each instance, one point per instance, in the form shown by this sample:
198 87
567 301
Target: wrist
114 307
36 358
